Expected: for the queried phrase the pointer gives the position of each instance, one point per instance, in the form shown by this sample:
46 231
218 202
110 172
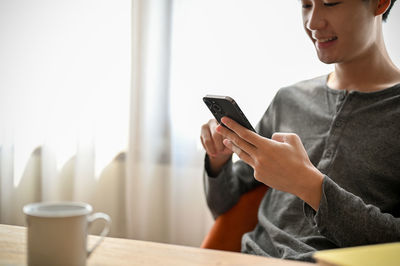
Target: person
328 148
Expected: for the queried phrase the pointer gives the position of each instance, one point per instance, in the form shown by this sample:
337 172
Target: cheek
359 31
358 38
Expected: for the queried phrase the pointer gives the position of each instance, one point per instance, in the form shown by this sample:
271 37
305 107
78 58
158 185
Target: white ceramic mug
57 232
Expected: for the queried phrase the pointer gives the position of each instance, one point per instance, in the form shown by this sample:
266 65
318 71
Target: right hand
212 142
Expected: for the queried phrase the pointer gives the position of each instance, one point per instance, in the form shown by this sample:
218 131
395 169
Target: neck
371 71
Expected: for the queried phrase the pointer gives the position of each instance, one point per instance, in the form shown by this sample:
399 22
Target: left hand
280 162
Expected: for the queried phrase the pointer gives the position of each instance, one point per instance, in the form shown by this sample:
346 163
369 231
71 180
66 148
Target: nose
315 19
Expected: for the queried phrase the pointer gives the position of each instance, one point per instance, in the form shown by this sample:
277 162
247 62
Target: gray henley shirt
353 138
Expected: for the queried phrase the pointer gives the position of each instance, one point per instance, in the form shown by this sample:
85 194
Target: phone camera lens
216 108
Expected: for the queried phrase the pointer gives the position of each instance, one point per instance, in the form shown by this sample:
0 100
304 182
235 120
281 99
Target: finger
279 137
289 138
206 148
217 139
202 143
243 132
236 139
207 141
242 154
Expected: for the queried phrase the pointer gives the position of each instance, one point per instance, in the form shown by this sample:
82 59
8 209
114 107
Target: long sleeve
347 220
223 191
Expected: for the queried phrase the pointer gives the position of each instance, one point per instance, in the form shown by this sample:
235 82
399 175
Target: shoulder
290 101
305 88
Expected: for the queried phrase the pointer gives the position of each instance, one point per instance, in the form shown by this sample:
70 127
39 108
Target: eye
332 4
306 4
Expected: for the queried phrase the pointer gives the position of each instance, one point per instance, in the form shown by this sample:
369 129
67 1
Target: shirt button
328 153
339 123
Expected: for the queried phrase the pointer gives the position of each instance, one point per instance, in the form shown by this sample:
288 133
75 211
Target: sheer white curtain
64 104
84 116
164 189
149 153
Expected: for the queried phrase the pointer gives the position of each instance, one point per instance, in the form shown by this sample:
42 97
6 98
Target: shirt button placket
328 153
341 99
335 132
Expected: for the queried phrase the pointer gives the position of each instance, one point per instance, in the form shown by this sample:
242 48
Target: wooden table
118 251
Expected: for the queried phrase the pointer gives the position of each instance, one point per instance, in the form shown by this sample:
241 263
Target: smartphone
221 106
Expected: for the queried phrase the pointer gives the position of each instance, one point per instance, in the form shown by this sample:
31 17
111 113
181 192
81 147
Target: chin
326 60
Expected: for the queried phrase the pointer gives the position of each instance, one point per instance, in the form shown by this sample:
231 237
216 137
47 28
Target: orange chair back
228 229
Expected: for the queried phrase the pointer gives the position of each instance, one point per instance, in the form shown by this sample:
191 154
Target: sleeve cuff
217 189
314 217
218 180
223 170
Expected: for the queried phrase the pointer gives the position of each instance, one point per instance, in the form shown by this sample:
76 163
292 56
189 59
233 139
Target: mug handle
107 219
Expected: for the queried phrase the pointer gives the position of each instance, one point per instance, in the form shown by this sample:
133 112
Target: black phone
221 106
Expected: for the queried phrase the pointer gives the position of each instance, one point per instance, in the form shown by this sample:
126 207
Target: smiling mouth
326 39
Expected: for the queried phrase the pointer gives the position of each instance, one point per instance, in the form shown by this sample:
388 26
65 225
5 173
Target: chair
228 229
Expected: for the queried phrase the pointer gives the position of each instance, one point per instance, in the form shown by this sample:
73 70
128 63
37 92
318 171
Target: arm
224 190
347 220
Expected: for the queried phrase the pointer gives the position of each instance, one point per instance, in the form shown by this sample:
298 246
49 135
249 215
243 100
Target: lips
323 40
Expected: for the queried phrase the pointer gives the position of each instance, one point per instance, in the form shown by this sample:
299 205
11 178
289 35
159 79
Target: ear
383 5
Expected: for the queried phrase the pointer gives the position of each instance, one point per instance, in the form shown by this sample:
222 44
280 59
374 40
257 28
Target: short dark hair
386 14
